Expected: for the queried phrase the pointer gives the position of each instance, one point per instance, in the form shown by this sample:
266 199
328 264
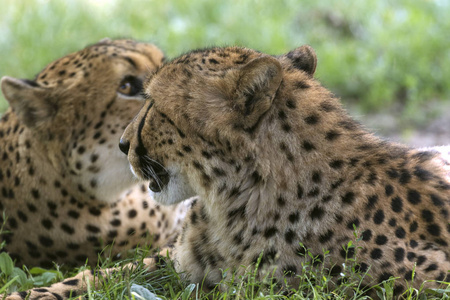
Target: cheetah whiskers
149 172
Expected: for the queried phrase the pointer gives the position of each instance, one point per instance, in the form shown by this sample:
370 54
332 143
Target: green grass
376 54
315 281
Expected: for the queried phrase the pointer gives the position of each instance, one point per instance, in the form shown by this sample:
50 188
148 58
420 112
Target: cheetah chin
176 189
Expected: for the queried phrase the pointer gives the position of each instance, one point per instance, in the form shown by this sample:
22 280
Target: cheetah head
202 117
75 110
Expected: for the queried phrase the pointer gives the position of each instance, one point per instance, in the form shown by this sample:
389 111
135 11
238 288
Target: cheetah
280 167
276 162
66 191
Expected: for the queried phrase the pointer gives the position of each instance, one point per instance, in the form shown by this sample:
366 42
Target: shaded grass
315 281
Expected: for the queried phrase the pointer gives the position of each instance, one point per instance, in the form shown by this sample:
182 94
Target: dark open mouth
155 172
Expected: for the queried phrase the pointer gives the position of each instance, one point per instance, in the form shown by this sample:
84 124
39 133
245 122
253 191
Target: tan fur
66 190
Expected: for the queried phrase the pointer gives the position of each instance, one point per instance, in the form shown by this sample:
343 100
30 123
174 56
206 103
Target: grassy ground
315 282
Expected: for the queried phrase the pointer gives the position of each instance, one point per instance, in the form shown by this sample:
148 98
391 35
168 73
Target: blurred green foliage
377 53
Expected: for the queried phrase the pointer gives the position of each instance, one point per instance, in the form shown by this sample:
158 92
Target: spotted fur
277 162
65 189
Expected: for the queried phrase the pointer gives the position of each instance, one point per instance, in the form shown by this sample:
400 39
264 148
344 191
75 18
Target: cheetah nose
124 146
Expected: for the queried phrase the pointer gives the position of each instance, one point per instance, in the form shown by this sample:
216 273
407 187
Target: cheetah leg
78 285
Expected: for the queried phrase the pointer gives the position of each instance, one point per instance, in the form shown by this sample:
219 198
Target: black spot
381 240
236 213
35 193
221 172
316 178
376 253
286 127
289 236
410 256
290 270
399 254
92 228
95 211
348 198
132 213
389 190
81 149
336 164
392 173
308 146
408 275
441 276
400 232
270 232
112 234
413 226
347 252
352 223
405 177
299 191
361 268
378 217
427 216
421 259
12 222
68 229
397 204
47 224
73 214
434 229
413 197
335 270
73 246
312 119
422 174
314 192
371 201
392 222
317 213
436 200
23 217
366 235
71 282
432 267
281 201
31 207
282 115
193 218
332 135
294 217
384 276
290 104
45 241
326 236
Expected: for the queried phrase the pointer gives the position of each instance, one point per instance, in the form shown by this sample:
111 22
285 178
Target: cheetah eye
130 86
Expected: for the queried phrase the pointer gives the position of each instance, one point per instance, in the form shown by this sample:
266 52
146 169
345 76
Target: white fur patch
176 191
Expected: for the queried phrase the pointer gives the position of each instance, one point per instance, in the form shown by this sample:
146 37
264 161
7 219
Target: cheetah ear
258 82
28 100
304 58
